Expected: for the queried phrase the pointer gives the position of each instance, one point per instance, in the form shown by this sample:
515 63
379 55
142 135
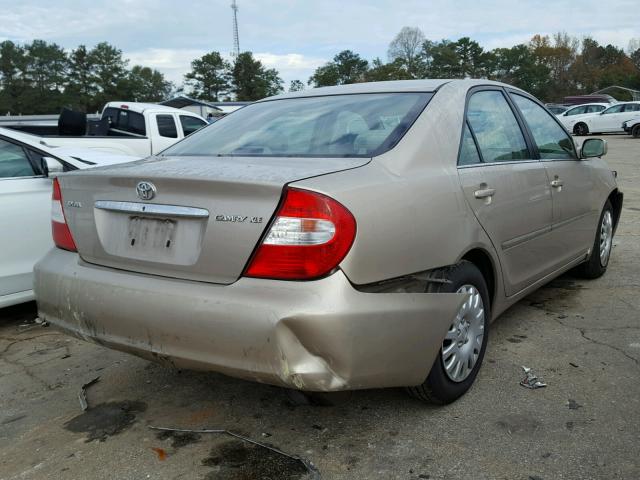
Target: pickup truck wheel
597 263
581 129
636 131
463 347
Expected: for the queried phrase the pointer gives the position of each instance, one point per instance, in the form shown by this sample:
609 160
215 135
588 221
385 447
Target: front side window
551 139
496 128
358 125
614 109
190 124
14 161
167 126
577 111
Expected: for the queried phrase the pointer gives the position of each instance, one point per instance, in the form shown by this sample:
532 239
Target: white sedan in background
609 120
25 204
573 115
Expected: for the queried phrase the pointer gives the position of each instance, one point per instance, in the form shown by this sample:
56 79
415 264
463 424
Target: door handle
557 183
484 193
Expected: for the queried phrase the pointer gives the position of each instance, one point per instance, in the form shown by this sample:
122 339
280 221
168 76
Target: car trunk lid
203 221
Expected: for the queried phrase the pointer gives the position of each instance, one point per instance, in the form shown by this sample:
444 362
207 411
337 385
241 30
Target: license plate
151 233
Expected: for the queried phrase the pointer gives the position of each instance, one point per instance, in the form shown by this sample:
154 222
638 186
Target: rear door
572 184
507 188
610 120
25 210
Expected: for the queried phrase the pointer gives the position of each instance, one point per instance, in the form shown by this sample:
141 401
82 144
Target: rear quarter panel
410 211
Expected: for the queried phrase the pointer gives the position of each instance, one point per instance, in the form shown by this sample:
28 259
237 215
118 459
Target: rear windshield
358 125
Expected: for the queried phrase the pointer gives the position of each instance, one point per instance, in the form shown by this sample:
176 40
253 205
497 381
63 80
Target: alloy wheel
606 237
463 342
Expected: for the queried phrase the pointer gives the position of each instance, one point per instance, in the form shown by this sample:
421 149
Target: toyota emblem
146 190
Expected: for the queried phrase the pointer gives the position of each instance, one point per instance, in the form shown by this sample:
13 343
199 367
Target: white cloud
173 63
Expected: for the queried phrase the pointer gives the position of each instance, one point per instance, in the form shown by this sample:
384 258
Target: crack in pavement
598 342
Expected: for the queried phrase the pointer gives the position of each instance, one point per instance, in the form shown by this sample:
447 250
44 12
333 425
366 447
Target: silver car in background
348 237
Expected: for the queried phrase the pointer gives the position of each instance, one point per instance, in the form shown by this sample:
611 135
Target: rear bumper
318 336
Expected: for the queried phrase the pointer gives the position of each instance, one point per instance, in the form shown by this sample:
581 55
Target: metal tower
236 40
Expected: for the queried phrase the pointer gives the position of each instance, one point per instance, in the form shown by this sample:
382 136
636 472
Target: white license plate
151 233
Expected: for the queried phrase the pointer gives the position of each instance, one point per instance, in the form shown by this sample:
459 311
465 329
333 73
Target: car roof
140 107
396 86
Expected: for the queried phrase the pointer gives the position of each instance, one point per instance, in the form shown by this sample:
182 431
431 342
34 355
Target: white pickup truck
125 128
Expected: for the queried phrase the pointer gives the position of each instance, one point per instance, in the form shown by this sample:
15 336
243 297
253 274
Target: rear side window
125 120
14 161
595 108
632 107
496 128
357 125
167 126
468 150
577 111
552 141
190 124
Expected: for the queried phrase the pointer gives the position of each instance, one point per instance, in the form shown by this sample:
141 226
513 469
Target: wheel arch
615 198
482 259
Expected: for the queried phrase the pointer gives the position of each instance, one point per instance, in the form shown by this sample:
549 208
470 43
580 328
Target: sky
296 37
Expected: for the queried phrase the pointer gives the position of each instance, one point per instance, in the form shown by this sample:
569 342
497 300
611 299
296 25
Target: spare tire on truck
71 122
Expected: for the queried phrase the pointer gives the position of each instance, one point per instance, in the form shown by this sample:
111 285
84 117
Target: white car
609 120
569 118
25 204
125 128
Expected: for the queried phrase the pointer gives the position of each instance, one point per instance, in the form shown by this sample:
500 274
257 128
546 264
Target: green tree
209 77
110 70
347 67
380 72
146 85
517 66
13 65
81 86
296 86
45 77
252 81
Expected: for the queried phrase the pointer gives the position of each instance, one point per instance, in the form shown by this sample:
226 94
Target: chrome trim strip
563 223
152 209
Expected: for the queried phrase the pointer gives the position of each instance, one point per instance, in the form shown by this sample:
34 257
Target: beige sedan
349 237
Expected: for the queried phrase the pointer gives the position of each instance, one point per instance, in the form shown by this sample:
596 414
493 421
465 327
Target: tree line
549 67
42 77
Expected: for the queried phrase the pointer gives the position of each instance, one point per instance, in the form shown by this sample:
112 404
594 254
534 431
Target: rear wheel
602 245
463 347
636 131
581 129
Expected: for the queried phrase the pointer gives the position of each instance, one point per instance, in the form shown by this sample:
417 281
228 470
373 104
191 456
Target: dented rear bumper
318 336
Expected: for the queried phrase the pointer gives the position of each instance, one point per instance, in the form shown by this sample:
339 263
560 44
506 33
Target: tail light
309 237
61 233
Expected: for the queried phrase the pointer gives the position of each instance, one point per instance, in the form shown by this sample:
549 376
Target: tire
580 129
439 388
636 131
596 265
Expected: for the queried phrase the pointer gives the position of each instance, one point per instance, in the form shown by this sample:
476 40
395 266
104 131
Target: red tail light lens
309 237
61 233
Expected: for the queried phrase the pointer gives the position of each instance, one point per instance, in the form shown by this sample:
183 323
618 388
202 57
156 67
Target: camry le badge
146 190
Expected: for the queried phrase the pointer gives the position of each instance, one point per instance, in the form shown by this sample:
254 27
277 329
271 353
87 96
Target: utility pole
236 39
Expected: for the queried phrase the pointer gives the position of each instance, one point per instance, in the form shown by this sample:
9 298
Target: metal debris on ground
82 394
313 471
531 380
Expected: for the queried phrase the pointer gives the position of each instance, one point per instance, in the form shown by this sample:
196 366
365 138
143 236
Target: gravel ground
581 337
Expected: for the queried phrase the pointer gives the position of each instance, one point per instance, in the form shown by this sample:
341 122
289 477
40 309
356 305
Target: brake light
59 228
309 237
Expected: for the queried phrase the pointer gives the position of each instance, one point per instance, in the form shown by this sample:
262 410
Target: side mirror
565 114
51 167
593 147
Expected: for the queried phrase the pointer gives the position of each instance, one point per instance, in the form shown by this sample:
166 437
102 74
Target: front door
609 120
507 188
25 219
